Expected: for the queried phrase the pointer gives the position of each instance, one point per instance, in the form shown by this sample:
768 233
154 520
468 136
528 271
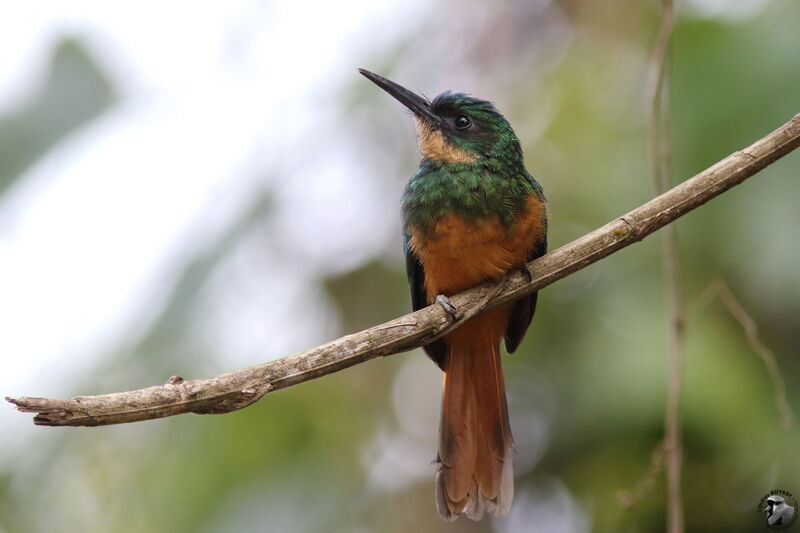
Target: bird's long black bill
416 103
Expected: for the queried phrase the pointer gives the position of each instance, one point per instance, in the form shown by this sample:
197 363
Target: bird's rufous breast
458 253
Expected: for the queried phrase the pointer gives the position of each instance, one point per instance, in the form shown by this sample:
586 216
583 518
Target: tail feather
475 472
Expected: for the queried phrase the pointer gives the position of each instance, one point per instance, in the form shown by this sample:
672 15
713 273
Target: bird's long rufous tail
475 472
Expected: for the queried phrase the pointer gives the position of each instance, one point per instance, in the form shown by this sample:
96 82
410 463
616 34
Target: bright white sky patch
733 10
90 237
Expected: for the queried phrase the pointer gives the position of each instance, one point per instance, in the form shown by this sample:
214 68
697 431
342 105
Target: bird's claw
527 272
449 308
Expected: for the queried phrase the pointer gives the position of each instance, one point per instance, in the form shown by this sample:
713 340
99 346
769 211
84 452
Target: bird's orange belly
457 253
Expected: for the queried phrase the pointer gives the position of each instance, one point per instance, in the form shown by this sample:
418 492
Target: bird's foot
527 272
442 300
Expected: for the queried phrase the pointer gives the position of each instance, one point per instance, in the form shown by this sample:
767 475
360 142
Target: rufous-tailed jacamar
471 213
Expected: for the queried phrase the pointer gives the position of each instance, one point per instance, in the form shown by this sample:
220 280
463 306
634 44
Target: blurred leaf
75 91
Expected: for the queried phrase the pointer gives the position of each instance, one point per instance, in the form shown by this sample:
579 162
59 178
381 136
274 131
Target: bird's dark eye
463 122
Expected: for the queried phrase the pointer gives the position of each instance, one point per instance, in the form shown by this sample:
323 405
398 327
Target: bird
471 213
778 512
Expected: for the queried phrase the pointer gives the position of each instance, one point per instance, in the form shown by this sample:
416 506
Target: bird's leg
442 300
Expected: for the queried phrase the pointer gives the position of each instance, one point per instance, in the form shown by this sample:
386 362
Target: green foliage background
587 387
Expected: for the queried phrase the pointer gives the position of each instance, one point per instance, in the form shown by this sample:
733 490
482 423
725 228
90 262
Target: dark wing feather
416 281
523 309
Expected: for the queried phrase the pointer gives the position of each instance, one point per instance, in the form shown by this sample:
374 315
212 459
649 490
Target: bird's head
774 502
455 127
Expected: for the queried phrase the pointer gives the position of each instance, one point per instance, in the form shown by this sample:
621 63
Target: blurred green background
192 189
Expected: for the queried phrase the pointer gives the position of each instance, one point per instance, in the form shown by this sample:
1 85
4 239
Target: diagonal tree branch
241 388
718 288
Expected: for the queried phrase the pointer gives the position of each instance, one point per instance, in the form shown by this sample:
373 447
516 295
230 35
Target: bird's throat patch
434 145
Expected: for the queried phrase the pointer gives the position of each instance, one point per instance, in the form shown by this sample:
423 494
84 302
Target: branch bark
241 388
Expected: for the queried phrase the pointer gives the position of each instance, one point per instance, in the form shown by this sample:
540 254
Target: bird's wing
523 309
416 282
